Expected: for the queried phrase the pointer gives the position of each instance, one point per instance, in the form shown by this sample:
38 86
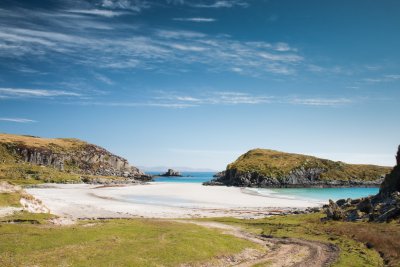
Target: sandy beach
161 200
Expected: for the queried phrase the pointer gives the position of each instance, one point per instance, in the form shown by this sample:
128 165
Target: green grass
25 173
277 164
136 242
352 252
10 199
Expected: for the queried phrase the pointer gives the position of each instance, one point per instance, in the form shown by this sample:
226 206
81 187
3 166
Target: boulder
334 212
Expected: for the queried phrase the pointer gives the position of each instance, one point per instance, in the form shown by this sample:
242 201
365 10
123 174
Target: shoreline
161 200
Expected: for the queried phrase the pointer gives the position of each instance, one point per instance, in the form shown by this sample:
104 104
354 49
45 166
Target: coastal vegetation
270 168
278 164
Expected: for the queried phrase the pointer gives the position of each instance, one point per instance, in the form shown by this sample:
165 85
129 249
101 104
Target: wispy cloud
18 120
195 19
147 51
25 93
319 101
98 12
222 98
221 4
103 78
133 5
383 78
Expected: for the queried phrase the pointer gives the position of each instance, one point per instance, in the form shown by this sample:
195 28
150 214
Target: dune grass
350 237
136 242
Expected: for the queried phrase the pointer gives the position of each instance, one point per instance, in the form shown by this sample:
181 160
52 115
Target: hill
270 168
30 159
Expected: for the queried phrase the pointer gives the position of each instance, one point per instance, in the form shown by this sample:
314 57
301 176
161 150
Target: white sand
160 200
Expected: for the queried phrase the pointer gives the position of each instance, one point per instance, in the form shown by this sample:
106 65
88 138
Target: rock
354 215
341 202
171 172
313 210
219 174
365 205
391 214
334 212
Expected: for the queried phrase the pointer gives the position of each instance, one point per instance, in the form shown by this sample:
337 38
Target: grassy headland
271 163
56 160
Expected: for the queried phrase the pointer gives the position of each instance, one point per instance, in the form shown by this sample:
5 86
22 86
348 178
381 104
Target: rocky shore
383 207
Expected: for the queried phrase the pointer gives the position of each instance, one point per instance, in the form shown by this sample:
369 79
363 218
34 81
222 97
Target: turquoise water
320 194
187 177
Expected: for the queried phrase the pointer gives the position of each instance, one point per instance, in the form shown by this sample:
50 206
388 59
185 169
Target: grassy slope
54 144
278 164
350 237
136 242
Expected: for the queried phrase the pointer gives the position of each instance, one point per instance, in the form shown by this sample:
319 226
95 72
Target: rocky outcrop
297 178
84 158
383 207
274 169
392 180
171 173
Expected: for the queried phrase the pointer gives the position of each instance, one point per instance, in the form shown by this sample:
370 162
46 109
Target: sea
320 194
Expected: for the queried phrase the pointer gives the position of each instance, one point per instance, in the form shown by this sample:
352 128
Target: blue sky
197 83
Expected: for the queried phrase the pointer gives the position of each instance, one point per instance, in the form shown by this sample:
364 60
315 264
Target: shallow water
320 194
187 177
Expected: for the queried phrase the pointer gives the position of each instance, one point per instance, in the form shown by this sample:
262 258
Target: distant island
270 168
171 173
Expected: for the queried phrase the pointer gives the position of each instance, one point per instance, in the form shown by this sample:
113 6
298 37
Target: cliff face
268 168
68 155
392 180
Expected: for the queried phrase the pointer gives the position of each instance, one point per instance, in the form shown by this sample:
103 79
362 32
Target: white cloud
195 19
133 5
18 120
383 78
143 48
103 78
319 101
222 4
188 47
98 12
21 93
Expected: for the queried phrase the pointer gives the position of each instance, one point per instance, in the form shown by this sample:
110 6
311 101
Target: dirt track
278 252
